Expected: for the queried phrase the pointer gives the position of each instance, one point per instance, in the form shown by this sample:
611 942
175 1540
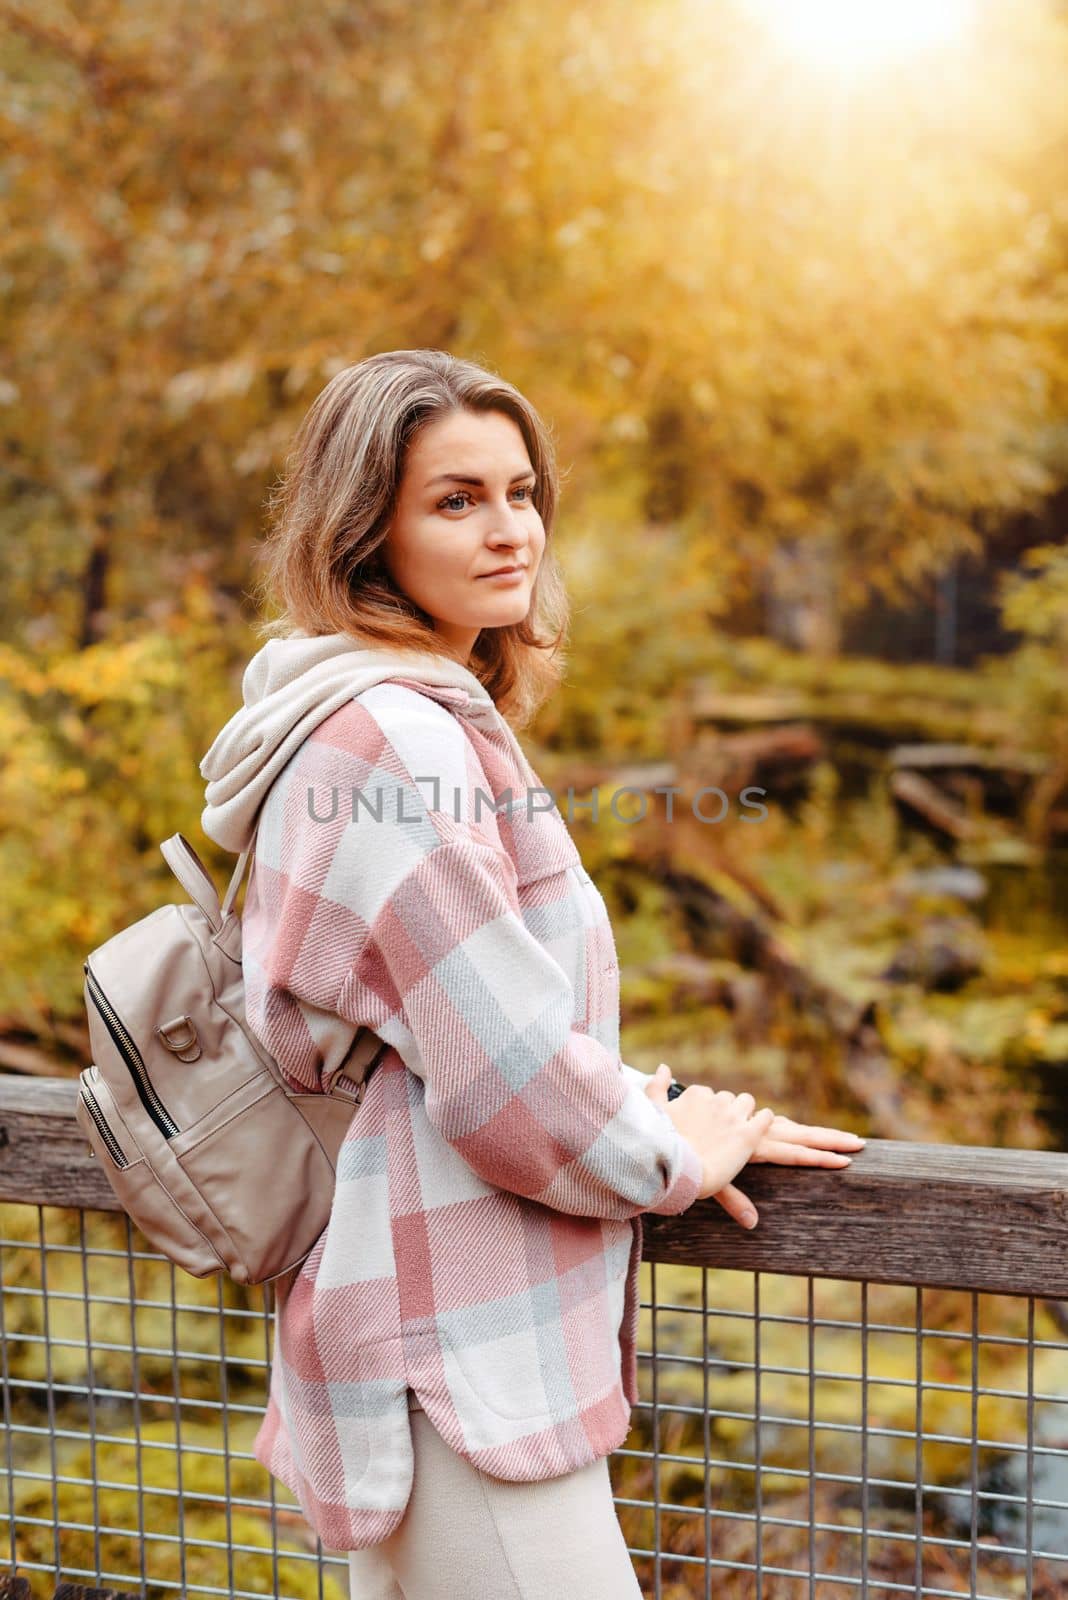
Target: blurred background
790 283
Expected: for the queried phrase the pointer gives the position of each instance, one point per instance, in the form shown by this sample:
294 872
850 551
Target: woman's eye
461 495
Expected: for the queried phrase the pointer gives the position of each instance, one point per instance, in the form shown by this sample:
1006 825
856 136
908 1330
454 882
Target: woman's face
465 508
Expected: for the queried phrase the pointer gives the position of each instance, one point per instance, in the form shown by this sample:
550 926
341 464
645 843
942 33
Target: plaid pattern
485 1238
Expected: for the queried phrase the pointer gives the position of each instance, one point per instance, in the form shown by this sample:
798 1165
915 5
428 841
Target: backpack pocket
96 1102
267 1180
151 1207
126 1049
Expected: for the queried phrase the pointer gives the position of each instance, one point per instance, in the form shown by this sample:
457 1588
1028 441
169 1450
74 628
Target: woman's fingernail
749 1219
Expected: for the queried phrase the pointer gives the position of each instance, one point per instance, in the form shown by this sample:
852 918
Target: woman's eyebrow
459 477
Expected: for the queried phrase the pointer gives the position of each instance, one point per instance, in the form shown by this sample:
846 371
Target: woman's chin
508 608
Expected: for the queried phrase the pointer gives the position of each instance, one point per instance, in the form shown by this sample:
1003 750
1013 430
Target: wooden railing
959 1216
986 1222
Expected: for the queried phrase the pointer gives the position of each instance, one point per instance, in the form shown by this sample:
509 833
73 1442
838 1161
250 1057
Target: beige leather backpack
215 1158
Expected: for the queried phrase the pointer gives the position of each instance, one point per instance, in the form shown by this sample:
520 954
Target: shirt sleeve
481 1012
642 1079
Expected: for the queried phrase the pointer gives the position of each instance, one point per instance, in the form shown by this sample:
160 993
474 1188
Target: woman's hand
797 1144
784 1142
724 1129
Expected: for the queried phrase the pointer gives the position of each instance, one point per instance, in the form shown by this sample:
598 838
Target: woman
455 1360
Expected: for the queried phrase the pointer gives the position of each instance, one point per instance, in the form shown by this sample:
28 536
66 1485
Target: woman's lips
513 575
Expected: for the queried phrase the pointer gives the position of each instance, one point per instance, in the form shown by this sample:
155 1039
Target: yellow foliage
103 747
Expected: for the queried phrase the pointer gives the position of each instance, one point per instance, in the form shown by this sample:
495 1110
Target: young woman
455 1360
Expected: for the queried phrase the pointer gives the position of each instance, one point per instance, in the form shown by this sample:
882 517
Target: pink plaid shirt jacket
485 1238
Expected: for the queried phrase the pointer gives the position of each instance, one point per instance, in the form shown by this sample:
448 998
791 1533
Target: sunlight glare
851 34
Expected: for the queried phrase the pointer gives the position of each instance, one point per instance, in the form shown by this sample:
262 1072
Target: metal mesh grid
794 1436
808 1438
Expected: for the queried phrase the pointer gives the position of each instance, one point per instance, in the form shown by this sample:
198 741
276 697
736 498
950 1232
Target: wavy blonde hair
330 512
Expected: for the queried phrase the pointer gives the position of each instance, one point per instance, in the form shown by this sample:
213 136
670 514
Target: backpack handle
196 880
193 876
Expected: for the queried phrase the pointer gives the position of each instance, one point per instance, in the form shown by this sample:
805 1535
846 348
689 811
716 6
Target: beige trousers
465 1533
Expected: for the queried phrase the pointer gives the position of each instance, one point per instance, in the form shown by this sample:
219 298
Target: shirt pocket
539 843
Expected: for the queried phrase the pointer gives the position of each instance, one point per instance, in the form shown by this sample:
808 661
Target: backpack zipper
132 1057
114 1149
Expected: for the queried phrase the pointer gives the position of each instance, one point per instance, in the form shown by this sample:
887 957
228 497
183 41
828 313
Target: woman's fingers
737 1205
759 1123
658 1085
807 1133
785 1153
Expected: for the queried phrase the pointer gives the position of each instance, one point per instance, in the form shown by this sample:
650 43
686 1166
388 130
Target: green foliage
1034 680
1035 603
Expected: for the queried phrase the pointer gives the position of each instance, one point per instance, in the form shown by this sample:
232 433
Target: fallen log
934 805
30 1061
931 756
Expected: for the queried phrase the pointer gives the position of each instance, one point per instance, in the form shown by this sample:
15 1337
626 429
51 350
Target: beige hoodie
288 688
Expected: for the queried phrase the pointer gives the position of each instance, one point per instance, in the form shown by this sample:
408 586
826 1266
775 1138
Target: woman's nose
509 534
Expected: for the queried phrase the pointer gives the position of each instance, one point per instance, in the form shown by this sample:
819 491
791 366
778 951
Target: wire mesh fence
795 1435
809 1437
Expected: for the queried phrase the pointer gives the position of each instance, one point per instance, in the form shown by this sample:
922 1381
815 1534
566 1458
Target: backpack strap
238 873
348 1080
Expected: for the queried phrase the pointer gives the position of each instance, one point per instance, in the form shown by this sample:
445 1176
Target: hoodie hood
288 688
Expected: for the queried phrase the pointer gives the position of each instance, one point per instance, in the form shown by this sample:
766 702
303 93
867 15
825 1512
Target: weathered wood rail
951 1217
941 1216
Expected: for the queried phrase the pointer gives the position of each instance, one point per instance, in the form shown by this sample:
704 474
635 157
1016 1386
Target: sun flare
854 34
